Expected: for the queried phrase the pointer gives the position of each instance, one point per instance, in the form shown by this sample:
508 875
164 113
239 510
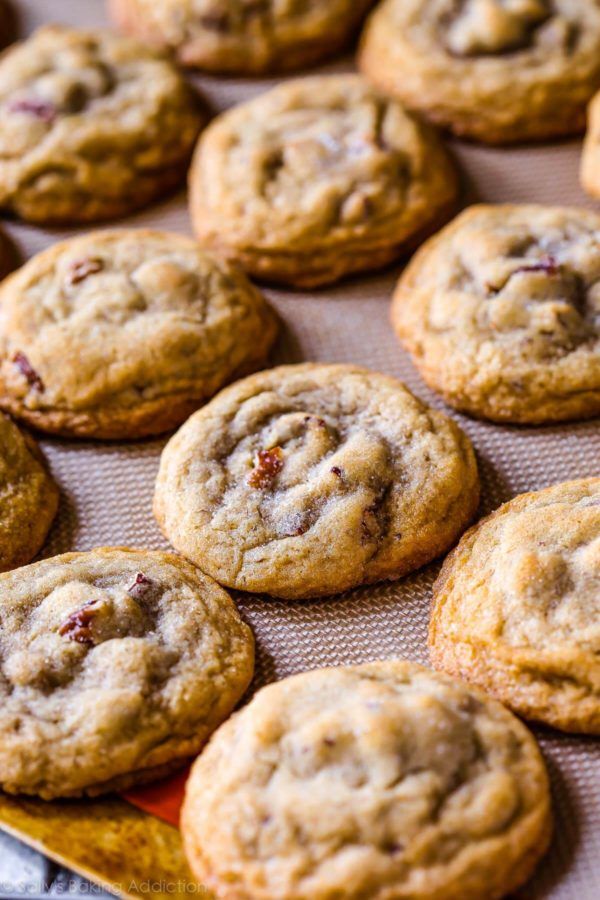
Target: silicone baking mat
106 499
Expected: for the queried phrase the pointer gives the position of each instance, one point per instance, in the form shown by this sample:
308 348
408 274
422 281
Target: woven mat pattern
107 489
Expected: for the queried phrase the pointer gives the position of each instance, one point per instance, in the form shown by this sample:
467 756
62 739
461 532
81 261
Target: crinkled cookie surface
517 606
318 178
93 126
243 36
501 313
115 665
124 333
496 70
28 496
307 480
383 781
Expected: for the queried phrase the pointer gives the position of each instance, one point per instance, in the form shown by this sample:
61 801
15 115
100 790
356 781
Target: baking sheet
107 493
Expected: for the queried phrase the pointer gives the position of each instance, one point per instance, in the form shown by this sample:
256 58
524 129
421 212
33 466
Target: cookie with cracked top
318 178
501 313
307 480
243 37
117 665
495 71
28 496
124 333
517 606
94 126
402 783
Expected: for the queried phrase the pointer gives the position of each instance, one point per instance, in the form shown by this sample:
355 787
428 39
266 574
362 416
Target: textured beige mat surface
107 489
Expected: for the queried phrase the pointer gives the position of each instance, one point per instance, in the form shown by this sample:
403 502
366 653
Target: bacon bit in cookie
78 626
335 470
83 268
39 109
369 524
547 265
27 370
269 464
140 586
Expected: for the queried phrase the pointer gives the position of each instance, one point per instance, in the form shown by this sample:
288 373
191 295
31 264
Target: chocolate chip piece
78 625
335 470
83 268
27 370
268 465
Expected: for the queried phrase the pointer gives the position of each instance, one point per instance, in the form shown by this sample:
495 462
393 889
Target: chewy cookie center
66 83
551 584
248 15
471 28
338 164
302 467
547 290
71 621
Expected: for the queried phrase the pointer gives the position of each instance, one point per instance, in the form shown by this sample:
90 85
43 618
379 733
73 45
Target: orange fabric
163 798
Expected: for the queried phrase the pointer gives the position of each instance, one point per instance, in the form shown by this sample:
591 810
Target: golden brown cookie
307 480
94 126
517 606
590 158
124 333
498 71
117 665
244 37
316 179
28 496
377 782
501 313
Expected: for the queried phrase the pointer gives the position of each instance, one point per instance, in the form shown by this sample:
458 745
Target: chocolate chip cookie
306 480
491 70
122 334
28 496
94 126
244 37
116 666
501 312
517 606
316 179
376 781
